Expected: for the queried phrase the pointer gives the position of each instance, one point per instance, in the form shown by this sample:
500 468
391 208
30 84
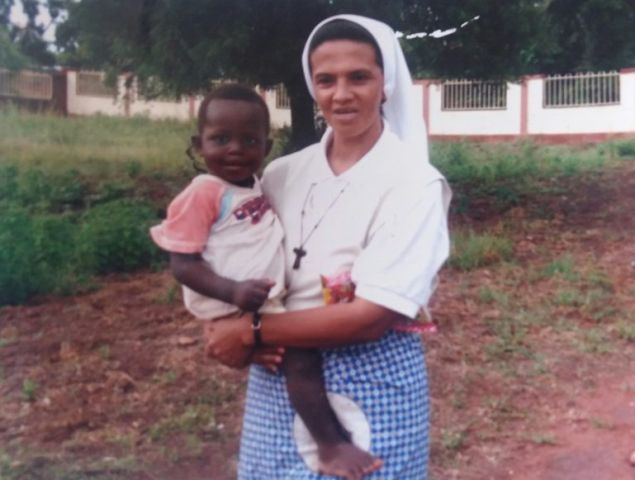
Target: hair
232 91
341 29
227 91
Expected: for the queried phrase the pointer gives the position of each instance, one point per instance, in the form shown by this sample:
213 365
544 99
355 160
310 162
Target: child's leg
305 386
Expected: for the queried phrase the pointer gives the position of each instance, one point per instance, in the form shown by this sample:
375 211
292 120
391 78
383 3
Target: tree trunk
302 121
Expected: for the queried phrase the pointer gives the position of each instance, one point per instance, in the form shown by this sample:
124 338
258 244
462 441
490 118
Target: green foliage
196 418
626 149
453 440
93 147
25 44
626 330
508 173
114 237
488 295
507 40
580 41
37 254
471 250
29 389
10 55
563 266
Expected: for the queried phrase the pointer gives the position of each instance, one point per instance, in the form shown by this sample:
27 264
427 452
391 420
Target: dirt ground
113 384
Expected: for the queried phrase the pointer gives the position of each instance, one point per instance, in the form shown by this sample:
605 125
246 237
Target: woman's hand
224 341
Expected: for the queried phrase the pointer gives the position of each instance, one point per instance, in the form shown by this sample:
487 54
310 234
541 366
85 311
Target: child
225 245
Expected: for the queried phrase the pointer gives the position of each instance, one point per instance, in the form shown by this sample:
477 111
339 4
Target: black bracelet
256 324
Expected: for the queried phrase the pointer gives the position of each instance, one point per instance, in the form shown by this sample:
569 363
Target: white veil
402 108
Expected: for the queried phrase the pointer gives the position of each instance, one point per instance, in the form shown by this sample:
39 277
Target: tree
185 43
25 45
590 35
493 39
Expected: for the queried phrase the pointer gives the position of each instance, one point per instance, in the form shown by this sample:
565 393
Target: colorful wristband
256 324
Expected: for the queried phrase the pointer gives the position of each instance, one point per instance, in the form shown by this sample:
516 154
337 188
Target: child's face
234 141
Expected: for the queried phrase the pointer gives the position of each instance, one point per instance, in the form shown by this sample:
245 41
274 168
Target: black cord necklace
299 250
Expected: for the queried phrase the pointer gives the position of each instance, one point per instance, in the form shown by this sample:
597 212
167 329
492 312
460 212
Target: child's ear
268 146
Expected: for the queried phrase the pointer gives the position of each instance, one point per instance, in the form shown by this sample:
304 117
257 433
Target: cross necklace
299 250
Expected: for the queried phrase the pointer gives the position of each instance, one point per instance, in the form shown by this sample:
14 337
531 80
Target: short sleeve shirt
233 228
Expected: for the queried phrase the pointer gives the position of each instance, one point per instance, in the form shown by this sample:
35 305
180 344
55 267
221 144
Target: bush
36 254
114 237
39 191
626 149
19 276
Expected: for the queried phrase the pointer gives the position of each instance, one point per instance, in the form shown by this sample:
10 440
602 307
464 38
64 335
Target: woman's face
348 86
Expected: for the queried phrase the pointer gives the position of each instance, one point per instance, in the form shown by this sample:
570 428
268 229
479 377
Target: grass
94 146
29 390
195 419
471 250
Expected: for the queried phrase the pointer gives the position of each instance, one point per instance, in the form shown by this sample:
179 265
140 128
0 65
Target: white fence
580 107
582 90
562 107
26 85
473 95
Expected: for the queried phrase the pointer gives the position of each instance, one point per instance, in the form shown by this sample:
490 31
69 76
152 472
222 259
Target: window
582 89
474 95
282 97
25 84
92 84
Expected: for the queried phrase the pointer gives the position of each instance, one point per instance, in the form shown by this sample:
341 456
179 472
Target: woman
365 202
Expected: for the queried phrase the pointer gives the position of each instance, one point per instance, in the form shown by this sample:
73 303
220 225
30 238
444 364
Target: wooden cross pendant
299 253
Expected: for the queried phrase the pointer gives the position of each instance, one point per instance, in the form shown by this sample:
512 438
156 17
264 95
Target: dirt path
594 439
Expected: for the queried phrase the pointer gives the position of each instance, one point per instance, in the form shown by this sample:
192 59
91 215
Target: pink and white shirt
236 232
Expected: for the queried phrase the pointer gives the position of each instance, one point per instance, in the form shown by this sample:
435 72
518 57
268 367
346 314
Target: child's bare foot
346 460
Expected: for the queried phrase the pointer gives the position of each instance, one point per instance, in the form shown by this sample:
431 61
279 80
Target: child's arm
194 273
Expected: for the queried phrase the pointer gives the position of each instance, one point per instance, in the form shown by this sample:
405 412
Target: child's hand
268 357
249 295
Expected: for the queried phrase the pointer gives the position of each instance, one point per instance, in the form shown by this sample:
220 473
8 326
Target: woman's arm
231 341
191 271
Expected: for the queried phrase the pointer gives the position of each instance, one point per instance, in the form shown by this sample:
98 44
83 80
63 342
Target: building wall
280 117
159 109
524 115
581 120
91 105
475 122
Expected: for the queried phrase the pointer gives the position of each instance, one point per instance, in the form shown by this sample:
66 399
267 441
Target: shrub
36 254
8 183
626 149
39 191
19 274
114 237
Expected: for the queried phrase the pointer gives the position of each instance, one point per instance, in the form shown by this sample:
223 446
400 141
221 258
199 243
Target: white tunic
384 220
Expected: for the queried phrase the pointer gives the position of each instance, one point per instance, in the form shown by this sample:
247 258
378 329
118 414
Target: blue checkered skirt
386 379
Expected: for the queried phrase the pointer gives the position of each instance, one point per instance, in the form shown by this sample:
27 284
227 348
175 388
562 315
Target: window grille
582 89
26 84
282 97
91 84
474 95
